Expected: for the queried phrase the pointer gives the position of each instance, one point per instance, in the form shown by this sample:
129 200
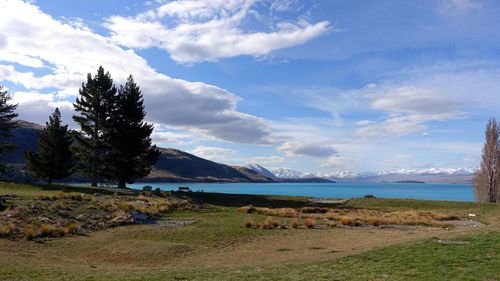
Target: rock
97 194
473 215
147 188
446 241
124 218
139 216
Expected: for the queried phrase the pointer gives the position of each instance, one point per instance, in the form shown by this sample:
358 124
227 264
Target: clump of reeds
7 229
309 223
47 230
248 223
73 228
269 223
375 221
346 220
30 234
294 224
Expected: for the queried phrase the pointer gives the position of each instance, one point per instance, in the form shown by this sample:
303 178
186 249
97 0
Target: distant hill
178 166
26 137
173 165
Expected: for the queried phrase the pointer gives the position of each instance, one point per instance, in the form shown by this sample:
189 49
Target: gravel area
328 200
465 223
168 223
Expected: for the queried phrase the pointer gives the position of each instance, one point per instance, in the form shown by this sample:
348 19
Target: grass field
218 247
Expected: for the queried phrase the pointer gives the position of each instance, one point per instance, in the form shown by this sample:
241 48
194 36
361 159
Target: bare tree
487 178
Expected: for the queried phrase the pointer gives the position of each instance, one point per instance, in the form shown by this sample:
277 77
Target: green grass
141 252
425 260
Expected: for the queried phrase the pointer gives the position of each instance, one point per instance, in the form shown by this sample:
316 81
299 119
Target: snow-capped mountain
287 173
437 175
261 170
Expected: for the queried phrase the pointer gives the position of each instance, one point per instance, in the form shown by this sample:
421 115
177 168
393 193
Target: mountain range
436 175
178 166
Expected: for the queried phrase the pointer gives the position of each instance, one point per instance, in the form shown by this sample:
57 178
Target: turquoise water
431 191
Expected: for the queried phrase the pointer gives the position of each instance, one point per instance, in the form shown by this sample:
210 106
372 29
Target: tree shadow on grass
239 200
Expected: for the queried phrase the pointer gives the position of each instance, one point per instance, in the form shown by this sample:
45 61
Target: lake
430 191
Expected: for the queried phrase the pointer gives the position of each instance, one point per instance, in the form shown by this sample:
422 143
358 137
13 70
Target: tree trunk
94 172
49 181
121 183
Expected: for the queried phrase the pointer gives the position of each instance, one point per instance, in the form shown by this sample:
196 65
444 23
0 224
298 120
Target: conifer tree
54 159
6 124
94 104
131 155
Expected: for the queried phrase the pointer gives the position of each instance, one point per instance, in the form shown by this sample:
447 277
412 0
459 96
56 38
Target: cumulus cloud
68 52
407 109
37 107
166 138
213 153
267 160
318 150
339 163
203 30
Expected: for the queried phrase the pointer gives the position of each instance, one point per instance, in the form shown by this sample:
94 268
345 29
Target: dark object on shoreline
409 181
147 188
184 188
369 196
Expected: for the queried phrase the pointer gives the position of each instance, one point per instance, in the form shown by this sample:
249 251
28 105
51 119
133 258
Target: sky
322 86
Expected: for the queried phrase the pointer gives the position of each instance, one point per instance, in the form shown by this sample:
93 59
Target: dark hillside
178 166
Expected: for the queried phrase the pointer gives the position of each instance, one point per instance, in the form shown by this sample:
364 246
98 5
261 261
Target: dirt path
298 246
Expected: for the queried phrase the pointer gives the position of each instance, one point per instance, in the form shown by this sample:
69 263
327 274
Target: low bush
309 223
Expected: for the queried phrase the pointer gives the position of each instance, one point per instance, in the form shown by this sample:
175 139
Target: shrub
375 221
294 224
47 229
369 196
248 223
269 223
7 229
62 231
30 234
73 228
309 223
346 221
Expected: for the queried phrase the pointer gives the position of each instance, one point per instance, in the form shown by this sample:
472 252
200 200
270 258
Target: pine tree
94 105
54 159
6 124
131 155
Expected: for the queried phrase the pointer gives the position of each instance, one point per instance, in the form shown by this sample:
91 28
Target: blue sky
316 86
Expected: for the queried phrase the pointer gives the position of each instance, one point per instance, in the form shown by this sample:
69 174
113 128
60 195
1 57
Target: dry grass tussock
357 217
63 195
50 230
153 207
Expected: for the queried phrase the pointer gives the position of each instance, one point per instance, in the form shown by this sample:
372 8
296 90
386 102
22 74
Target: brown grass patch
248 223
356 217
309 223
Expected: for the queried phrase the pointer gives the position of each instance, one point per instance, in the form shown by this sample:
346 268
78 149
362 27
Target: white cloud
282 5
68 52
318 150
163 138
213 153
339 163
37 107
267 160
208 30
458 7
408 108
